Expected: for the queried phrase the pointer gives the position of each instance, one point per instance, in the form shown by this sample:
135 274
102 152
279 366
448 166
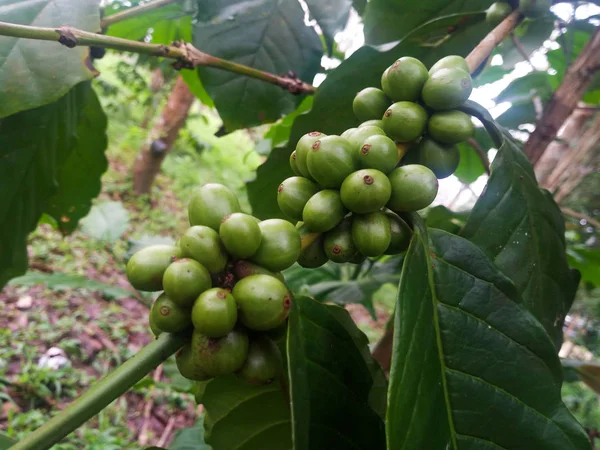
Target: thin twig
485 48
167 432
133 12
186 56
481 153
578 215
521 50
143 435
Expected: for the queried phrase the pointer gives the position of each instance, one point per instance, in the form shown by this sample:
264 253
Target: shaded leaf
391 20
63 281
444 219
79 177
6 442
331 16
332 109
470 167
490 75
328 375
520 227
587 371
469 358
531 35
587 261
34 145
32 72
534 84
195 85
106 221
191 438
244 417
274 39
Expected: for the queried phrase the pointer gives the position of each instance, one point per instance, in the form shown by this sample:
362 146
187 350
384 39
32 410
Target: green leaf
6 442
191 438
330 383
469 361
34 145
332 109
268 35
531 35
444 219
331 16
79 176
168 23
470 167
279 133
196 87
520 227
244 417
391 20
106 221
534 84
587 261
588 372
63 281
34 73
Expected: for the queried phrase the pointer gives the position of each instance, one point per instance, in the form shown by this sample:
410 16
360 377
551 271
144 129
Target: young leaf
62 281
244 417
34 73
520 227
330 382
34 145
331 16
107 221
268 35
471 367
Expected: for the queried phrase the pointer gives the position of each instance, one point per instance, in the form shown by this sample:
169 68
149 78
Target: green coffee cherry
146 267
312 256
404 79
450 62
294 165
441 159
303 148
400 235
240 235
293 194
450 127
184 280
447 89
497 12
215 312
184 358
210 203
243 269
338 244
414 187
405 121
346 134
204 245
264 362
365 191
370 103
378 152
331 160
220 356
323 211
371 123
155 330
264 302
357 138
371 233
168 316
279 247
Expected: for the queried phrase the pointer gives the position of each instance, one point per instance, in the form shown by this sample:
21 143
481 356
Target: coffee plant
351 166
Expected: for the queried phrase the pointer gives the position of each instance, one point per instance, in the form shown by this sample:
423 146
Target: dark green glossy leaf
518 114
330 383
490 75
62 281
331 16
587 261
359 6
34 145
520 227
279 133
244 417
6 442
268 35
531 35
332 109
34 73
470 362
534 84
444 219
391 20
78 178
587 371
191 438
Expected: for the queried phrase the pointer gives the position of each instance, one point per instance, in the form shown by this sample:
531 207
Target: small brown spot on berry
464 83
365 149
287 302
388 113
280 188
316 146
368 179
221 294
395 65
225 218
294 156
314 133
336 249
165 310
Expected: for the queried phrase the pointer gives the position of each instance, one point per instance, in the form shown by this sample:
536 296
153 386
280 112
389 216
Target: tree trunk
162 137
156 83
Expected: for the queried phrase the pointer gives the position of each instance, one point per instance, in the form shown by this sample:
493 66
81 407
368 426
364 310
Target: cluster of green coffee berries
533 9
354 187
222 278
